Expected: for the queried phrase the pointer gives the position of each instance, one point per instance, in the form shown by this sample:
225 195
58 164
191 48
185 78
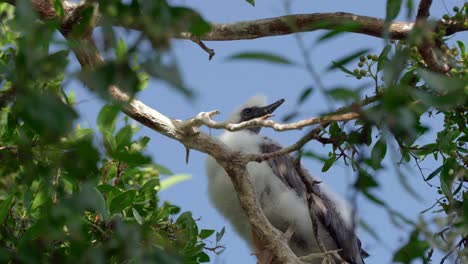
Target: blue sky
221 84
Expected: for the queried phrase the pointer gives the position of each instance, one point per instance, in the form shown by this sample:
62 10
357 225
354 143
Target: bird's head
255 107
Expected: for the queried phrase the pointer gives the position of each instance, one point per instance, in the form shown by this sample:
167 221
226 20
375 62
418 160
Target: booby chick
281 193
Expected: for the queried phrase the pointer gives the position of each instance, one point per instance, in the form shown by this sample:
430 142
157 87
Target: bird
282 194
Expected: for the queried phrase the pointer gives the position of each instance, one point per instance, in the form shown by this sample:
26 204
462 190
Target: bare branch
313 134
204 118
202 45
284 25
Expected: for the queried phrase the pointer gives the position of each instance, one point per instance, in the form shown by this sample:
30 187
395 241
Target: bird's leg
288 233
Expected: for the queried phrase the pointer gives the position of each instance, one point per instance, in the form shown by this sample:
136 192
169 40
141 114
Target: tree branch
204 118
284 25
427 48
234 163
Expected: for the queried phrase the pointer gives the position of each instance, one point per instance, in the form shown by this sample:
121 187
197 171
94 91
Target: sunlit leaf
260 56
173 180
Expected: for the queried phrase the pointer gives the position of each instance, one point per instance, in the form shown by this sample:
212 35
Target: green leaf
108 190
137 216
370 230
46 114
343 69
383 57
334 129
365 180
328 163
172 180
148 190
220 234
169 73
260 56
252 2
346 59
163 170
462 48
122 201
343 94
107 118
373 198
58 8
304 95
205 233
393 9
446 177
378 153
5 207
340 29
124 137
91 199
414 249
121 50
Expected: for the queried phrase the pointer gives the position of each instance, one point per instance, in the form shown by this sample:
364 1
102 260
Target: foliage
71 194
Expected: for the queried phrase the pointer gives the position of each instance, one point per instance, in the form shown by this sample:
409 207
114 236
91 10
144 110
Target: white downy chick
281 192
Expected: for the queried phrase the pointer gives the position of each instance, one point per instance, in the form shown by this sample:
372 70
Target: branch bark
427 48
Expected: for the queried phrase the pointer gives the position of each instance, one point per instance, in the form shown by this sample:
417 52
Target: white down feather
283 208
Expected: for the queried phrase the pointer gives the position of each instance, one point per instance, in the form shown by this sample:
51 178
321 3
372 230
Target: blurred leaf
304 95
344 60
107 118
461 45
121 50
58 8
393 9
206 233
123 138
220 234
252 2
343 69
343 94
340 29
163 170
168 72
260 56
365 180
378 153
46 114
137 216
173 180
327 165
383 57
414 249
122 201
370 230
5 207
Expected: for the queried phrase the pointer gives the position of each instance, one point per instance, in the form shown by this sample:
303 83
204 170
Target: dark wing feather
323 208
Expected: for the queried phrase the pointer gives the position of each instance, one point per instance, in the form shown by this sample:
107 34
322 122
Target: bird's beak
269 109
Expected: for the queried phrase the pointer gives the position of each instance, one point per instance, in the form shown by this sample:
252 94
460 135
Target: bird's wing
321 206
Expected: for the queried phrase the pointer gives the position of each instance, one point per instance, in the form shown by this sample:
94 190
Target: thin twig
202 45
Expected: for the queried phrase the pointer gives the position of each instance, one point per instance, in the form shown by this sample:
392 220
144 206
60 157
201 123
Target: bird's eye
247 111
